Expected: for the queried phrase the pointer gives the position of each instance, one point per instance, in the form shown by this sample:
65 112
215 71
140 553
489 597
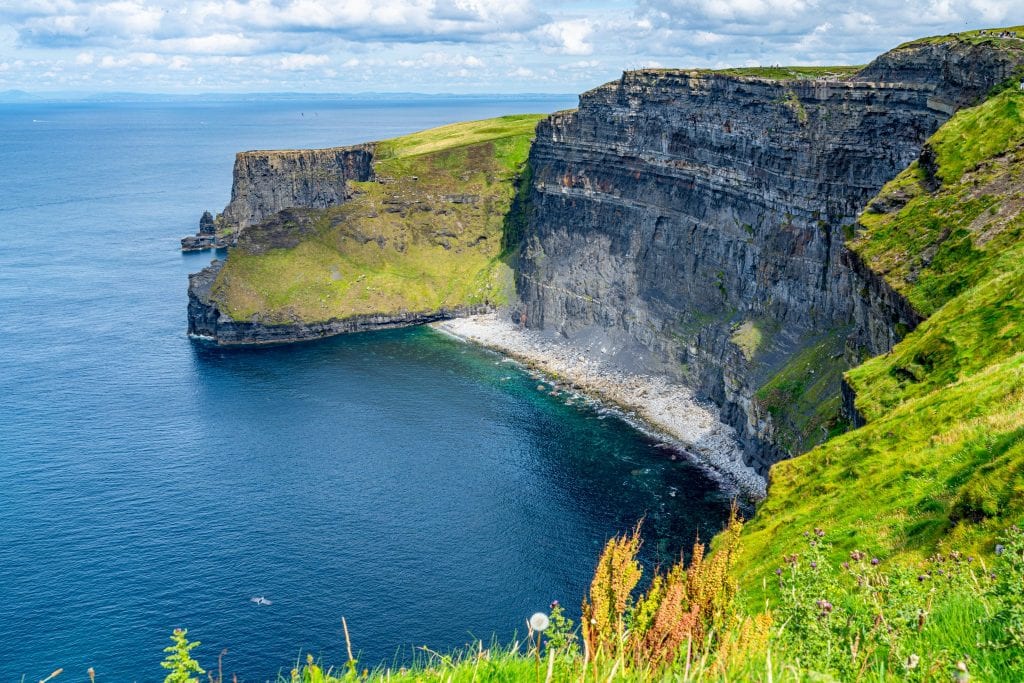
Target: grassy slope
941 462
429 236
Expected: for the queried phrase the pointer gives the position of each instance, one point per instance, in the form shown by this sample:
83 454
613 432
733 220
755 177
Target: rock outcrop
674 209
265 182
206 238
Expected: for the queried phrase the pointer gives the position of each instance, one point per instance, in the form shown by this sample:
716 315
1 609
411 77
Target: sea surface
421 488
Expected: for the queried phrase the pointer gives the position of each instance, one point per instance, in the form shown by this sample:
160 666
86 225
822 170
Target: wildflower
856 556
778 572
554 604
846 565
922 577
539 621
970 558
912 661
999 548
875 561
814 565
820 533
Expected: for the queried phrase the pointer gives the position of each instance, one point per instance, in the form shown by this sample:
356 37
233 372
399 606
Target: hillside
942 452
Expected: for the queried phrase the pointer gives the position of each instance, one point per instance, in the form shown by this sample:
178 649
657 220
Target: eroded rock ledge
206 322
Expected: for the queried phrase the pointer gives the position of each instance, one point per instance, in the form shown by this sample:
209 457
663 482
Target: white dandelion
539 622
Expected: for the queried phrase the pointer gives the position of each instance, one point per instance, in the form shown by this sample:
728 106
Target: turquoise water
423 489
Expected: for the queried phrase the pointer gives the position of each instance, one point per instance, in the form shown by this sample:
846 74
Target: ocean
421 488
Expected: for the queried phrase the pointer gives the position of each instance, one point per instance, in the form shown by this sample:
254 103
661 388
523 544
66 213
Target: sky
449 46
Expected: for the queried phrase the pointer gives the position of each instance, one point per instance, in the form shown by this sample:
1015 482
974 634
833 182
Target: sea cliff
686 222
696 222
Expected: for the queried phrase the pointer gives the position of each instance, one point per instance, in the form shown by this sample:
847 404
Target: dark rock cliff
265 182
694 223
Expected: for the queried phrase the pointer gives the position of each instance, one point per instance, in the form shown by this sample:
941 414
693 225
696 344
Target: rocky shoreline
207 323
665 409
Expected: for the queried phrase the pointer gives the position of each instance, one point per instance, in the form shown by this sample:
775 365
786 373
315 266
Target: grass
940 463
748 337
971 37
430 235
790 73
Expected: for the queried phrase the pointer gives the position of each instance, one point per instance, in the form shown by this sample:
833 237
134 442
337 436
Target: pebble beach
665 409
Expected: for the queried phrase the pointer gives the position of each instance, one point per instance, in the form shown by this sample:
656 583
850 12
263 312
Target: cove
420 487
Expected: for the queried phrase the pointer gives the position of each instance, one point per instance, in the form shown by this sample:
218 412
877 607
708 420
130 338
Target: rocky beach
666 409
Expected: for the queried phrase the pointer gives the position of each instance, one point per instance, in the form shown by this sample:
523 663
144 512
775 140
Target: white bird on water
260 600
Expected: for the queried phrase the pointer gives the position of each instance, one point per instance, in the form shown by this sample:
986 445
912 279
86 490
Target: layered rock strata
675 209
265 182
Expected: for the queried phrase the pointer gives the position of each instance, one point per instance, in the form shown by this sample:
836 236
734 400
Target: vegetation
990 38
956 617
791 73
429 233
942 454
803 396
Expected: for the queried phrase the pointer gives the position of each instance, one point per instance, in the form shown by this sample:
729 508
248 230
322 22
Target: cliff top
457 135
1011 37
430 140
1006 36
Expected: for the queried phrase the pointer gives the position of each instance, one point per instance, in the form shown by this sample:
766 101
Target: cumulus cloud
571 37
773 31
432 45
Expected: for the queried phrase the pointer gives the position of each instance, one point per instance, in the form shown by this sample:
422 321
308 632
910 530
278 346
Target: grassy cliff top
940 464
986 36
427 234
459 135
774 73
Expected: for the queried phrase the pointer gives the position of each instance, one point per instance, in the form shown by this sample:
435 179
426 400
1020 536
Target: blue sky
457 46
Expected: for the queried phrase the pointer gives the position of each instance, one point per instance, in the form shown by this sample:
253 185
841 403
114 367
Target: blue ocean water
421 488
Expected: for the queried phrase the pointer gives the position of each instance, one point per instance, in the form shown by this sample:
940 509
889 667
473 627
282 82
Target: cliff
695 222
398 232
265 182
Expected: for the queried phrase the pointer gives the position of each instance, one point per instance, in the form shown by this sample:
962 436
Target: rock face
205 321
673 207
266 182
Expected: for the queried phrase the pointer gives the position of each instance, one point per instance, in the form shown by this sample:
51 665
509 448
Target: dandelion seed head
539 621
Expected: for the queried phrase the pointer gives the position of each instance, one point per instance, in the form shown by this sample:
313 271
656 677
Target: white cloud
434 45
214 44
302 62
570 37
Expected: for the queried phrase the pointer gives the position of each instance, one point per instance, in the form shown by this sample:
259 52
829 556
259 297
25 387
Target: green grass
971 37
431 235
748 337
790 73
517 128
940 463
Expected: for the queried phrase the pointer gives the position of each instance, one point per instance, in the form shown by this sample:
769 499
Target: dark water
419 487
